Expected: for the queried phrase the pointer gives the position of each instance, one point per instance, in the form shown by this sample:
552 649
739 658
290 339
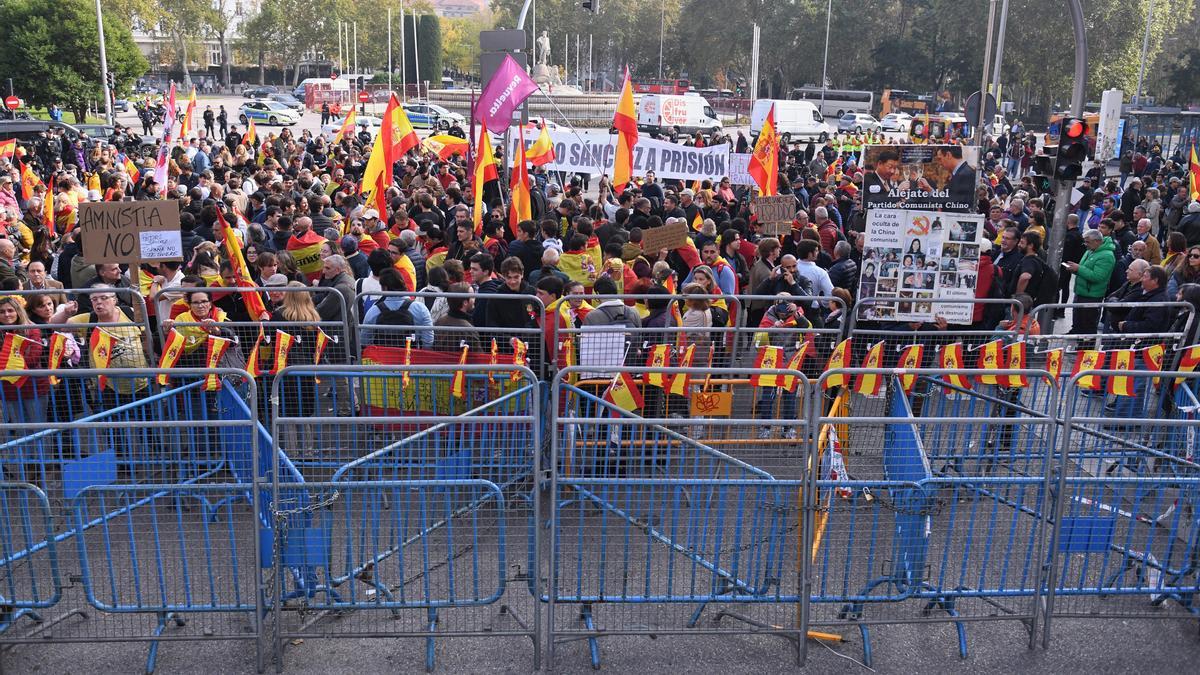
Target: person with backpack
397 311
1034 276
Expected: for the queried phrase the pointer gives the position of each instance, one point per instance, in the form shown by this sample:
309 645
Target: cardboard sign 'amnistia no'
130 233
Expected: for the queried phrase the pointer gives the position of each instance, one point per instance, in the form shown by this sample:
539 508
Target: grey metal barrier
666 525
133 333
126 512
1099 325
413 517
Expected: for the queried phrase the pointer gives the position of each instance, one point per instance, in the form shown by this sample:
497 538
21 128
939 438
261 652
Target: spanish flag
520 355
868 384
1054 359
697 222
217 346
1189 358
764 163
378 174
446 146
254 361
769 358
319 350
347 128
29 182
185 125
838 359
405 377
485 170
100 346
130 168
493 361
8 149
911 358
952 359
233 254
1122 385
172 350
1014 360
683 381
1153 357
12 356
58 346
306 250
520 206
542 150
407 271
1194 175
624 393
251 137
796 363
283 345
989 362
458 385
1088 360
659 357
625 122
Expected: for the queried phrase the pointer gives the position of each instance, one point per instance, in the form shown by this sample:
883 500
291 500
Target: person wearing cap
275 298
354 258
690 208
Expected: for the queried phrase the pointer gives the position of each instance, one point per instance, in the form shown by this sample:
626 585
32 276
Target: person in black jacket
511 312
1150 316
1072 251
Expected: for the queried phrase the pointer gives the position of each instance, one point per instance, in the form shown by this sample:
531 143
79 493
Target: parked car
361 123
857 123
896 122
382 95
269 112
120 105
431 116
264 91
288 100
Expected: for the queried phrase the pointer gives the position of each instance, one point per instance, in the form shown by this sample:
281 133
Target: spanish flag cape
306 250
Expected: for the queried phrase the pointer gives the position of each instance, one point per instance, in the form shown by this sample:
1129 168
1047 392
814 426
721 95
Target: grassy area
68 117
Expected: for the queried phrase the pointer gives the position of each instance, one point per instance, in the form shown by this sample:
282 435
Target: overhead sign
592 152
927 177
130 232
667 237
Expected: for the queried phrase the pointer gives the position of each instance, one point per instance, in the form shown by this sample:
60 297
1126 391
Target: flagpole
570 126
389 48
403 58
416 53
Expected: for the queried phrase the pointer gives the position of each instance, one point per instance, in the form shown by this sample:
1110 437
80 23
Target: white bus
837 102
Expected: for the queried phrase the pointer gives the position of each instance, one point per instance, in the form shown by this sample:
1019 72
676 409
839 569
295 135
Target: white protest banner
591 152
739 169
917 258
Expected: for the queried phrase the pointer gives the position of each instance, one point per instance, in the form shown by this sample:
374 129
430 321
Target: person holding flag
625 122
21 348
346 130
764 162
780 329
520 202
113 341
542 150
485 170
200 321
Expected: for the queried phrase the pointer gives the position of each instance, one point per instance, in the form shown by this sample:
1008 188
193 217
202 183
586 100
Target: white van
673 114
794 120
340 84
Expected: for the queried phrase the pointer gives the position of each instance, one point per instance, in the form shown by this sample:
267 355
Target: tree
52 52
460 40
1181 78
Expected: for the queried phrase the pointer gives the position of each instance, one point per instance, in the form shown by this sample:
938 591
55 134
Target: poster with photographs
920 257
932 177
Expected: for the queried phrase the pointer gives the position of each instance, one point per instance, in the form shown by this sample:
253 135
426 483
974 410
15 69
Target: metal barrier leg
163 618
429 641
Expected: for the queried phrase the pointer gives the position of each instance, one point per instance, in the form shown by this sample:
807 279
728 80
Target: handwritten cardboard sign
669 237
775 214
130 232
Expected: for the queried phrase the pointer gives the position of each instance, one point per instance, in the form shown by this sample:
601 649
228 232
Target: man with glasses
1092 274
128 342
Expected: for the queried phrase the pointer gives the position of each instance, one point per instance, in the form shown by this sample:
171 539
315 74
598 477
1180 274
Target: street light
108 115
825 63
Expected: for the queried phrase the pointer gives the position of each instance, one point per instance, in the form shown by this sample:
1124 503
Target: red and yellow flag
911 358
697 222
952 359
253 362
251 137
58 347
764 163
8 149
485 170
989 362
520 205
29 182
624 393
1088 360
791 382
172 350
520 355
458 385
405 377
1189 359
255 307
659 357
323 340
1122 385
493 361
130 168
1153 357
542 150
1194 175
283 346
347 128
100 346
1014 359
680 383
868 384
12 357
625 122
1054 359
377 176
838 359
769 358
217 346
185 125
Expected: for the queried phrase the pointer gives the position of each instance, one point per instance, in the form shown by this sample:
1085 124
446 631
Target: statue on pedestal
543 72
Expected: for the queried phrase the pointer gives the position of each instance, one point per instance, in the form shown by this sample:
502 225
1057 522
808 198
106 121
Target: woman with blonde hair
297 316
24 402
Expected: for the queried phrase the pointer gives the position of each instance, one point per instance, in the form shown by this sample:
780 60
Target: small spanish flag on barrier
952 359
868 384
172 350
838 359
1189 358
1088 360
659 357
791 382
1054 359
494 360
911 358
283 345
100 346
58 346
458 385
253 363
623 392
1152 356
217 346
769 358
520 356
1122 385
697 222
1014 359
12 357
989 362
405 378
681 382
319 350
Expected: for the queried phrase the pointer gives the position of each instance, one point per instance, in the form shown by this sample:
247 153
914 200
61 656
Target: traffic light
1072 149
592 6
111 80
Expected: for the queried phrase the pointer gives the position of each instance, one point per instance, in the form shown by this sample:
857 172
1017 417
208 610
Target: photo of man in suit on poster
962 176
